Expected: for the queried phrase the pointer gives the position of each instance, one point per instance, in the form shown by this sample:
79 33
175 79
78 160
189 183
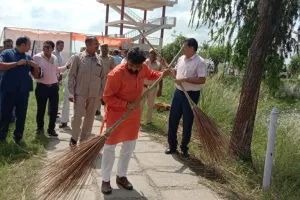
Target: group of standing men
92 77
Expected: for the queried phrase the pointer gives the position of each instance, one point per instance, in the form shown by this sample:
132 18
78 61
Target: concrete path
154 175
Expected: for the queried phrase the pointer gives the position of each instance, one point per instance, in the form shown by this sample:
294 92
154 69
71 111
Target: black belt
47 85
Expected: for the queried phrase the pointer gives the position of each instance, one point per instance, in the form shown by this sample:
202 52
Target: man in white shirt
65 113
47 89
191 73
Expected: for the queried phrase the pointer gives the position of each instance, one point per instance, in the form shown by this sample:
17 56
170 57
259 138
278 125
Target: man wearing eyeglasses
47 87
15 86
86 84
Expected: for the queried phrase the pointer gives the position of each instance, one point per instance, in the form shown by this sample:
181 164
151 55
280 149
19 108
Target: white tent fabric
38 36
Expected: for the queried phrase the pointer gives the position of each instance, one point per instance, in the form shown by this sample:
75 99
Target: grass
18 167
219 99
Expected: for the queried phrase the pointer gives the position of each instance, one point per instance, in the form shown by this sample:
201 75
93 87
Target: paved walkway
154 175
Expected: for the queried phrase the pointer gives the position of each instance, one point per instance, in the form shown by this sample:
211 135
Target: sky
87 16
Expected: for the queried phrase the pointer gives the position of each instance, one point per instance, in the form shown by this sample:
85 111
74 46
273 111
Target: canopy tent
37 36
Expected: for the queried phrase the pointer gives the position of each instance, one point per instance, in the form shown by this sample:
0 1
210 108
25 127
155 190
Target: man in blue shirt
7 44
118 59
15 86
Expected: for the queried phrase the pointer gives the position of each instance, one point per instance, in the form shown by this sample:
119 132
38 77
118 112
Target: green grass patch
18 167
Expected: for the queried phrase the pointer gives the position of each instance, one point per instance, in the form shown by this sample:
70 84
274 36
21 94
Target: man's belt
47 85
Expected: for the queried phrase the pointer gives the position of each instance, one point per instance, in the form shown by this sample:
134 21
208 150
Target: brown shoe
106 188
123 181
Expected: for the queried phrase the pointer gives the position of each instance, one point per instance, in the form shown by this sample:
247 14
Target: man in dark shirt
7 44
15 86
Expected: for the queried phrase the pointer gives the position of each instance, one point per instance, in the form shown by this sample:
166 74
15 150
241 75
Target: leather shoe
39 131
52 133
97 113
123 181
106 188
170 151
184 154
72 142
63 125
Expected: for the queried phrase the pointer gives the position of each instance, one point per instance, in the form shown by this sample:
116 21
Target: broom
209 134
67 174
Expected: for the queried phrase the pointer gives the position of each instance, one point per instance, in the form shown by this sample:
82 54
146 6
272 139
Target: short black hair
22 40
6 41
136 56
49 42
59 42
90 39
192 42
116 51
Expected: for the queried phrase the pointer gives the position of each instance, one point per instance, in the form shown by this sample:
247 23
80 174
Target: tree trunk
268 22
216 69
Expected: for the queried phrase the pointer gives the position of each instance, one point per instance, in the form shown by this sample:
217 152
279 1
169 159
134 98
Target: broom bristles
210 136
65 176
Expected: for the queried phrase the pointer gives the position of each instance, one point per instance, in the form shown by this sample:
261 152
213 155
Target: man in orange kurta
123 89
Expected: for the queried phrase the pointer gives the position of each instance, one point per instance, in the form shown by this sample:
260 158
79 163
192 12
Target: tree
217 54
294 66
264 31
171 49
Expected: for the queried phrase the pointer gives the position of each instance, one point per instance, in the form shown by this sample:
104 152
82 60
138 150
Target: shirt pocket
97 69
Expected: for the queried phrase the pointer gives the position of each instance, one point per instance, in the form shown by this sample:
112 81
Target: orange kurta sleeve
151 74
112 87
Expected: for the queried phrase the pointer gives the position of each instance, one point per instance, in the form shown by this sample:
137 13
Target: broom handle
191 102
114 126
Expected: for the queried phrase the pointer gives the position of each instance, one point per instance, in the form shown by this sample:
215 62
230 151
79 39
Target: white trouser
66 106
108 159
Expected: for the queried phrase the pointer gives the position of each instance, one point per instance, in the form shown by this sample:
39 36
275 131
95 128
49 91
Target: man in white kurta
66 104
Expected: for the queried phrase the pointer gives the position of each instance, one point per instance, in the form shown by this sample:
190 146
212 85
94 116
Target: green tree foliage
294 66
217 54
264 38
171 49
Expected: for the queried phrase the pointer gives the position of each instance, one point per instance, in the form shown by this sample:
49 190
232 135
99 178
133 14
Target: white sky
85 16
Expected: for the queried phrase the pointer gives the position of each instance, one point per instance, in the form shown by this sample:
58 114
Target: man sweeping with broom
190 73
124 87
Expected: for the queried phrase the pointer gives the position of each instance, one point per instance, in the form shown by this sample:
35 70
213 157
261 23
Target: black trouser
180 107
19 100
43 93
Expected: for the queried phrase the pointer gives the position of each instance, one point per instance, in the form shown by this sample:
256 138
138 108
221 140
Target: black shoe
98 113
72 142
39 131
184 154
106 188
52 133
170 151
63 125
123 181
17 140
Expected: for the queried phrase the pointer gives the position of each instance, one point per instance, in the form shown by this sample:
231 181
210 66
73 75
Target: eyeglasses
46 47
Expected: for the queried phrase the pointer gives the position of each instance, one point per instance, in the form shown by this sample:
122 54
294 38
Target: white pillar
270 148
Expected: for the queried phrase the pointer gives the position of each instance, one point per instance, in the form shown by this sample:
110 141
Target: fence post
270 149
